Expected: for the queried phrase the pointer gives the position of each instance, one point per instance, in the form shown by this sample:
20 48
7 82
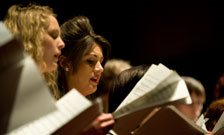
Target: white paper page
170 90
174 88
154 76
147 83
69 107
5 35
186 100
163 68
73 103
201 122
33 98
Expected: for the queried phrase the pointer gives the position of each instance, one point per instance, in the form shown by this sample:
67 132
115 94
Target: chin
92 90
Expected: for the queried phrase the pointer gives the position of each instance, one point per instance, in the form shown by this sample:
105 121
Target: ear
64 63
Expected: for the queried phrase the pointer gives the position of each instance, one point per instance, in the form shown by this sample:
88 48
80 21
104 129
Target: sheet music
69 106
171 88
148 82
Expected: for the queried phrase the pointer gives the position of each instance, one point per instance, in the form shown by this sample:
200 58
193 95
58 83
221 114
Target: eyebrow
94 55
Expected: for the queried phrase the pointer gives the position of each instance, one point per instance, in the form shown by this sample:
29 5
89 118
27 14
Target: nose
99 67
61 44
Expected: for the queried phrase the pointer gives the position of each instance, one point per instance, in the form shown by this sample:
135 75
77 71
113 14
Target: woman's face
87 77
52 45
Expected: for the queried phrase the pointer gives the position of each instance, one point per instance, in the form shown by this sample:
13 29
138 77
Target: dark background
185 36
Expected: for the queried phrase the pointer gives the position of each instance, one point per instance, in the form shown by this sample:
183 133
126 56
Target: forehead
96 49
53 23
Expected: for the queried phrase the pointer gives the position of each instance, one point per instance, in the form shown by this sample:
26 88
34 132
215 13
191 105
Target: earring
67 69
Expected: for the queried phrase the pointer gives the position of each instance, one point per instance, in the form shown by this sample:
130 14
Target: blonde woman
39 30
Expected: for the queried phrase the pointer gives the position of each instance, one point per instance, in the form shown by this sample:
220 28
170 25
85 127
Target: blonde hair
113 67
30 23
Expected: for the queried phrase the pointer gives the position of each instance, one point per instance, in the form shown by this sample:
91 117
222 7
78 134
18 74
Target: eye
54 34
91 62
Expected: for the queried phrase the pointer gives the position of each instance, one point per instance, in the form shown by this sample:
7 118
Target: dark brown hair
79 38
219 88
123 84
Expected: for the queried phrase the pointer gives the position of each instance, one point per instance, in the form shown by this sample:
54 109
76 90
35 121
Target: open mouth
95 80
57 56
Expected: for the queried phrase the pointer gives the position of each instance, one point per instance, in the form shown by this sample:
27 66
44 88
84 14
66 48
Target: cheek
199 107
85 77
81 76
183 108
48 45
85 71
47 55
48 48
